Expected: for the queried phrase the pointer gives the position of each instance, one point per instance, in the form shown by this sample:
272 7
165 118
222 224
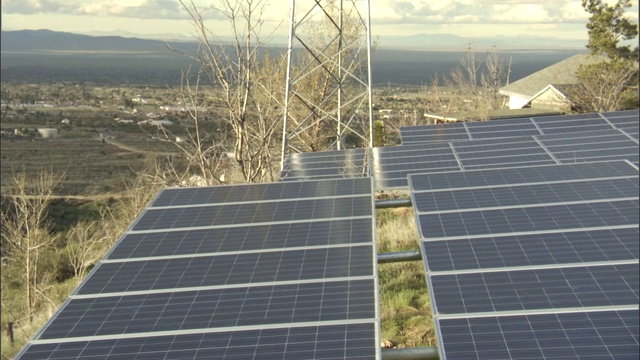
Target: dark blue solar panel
500 153
500 125
593 155
505 134
275 259
260 192
526 194
230 269
514 290
388 166
522 175
581 137
218 308
243 238
532 250
349 341
554 119
529 219
541 158
252 213
594 335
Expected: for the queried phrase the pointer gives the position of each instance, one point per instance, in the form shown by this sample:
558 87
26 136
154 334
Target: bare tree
25 233
200 156
84 242
245 81
494 78
472 88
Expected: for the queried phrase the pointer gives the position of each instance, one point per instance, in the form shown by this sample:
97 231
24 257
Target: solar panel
523 175
534 289
256 192
243 238
529 261
248 271
254 213
575 335
598 189
563 147
351 163
226 270
479 145
569 246
216 308
517 127
348 341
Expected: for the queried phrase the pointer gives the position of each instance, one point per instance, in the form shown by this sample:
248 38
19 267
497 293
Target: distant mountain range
54 41
48 41
44 55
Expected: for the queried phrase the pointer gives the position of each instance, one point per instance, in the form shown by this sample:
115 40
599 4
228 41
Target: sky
163 19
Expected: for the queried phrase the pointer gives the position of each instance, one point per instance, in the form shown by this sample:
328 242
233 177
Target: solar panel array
262 271
624 121
479 145
532 262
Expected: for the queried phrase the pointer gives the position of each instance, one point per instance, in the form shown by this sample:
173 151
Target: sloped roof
559 89
563 72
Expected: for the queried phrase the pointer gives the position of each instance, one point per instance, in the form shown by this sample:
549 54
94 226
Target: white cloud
523 13
385 11
573 10
463 17
149 9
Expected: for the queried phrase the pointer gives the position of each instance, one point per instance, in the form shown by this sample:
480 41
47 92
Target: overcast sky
564 19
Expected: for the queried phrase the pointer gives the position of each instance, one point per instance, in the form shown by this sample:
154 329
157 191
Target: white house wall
516 102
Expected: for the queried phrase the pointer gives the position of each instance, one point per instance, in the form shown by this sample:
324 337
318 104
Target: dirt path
138 151
97 197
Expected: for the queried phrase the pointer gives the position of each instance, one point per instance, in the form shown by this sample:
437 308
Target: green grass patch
404 300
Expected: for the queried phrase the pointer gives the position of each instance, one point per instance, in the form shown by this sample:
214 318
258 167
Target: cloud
146 9
391 12
32 6
482 11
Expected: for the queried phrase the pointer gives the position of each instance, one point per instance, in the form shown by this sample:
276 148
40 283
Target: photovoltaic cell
527 262
483 145
205 309
259 192
244 238
254 213
532 250
572 287
247 272
348 341
224 270
529 219
518 127
527 194
505 134
581 335
522 175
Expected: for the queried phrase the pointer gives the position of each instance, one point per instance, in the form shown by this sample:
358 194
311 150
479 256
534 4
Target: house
546 89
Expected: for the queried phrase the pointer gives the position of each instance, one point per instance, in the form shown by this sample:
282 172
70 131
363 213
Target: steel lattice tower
328 101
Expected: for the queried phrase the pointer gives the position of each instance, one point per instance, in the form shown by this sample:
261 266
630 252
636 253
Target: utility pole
328 81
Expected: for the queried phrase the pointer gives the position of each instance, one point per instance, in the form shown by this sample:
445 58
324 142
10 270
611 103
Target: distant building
546 89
